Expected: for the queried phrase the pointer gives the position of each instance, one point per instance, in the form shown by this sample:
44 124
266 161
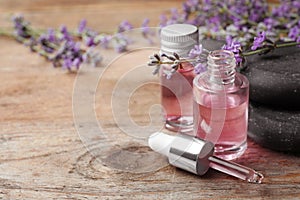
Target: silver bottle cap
183 151
178 38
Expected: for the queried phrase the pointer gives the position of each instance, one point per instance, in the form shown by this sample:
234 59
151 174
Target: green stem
287 44
180 61
249 53
6 33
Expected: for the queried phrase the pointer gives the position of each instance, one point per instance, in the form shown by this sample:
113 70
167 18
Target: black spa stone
275 129
275 78
211 44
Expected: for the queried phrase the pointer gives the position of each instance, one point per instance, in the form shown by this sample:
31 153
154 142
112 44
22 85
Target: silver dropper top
196 156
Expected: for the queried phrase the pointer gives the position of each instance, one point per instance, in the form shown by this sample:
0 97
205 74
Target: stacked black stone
274 113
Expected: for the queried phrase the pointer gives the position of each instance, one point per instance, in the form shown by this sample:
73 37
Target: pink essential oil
177 98
221 105
176 91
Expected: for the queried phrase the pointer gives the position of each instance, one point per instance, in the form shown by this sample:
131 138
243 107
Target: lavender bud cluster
242 20
70 50
60 47
197 56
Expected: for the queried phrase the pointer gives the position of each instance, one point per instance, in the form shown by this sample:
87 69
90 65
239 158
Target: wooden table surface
59 138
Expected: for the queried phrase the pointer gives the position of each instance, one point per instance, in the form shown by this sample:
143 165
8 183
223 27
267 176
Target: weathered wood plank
48 160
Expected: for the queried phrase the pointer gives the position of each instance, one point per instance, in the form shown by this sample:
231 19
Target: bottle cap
183 151
179 38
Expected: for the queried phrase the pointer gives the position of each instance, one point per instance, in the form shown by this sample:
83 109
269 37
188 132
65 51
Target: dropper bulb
160 142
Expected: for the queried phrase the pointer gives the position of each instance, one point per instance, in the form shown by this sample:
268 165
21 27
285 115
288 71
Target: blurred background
101 15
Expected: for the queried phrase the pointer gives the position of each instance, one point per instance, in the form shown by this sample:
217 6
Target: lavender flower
62 47
88 35
270 23
236 48
104 41
200 68
240 21
69 55
199 56
190 6
294 32
49 41
124 26
196 51
163 20
175 15
146 31
92 57
90 38
65 33
120 43
82 26
21 27
259 41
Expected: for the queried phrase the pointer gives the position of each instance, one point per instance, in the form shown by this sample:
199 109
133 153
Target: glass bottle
221 97
176 91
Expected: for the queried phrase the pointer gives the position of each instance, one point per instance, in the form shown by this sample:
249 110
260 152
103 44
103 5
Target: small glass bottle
176 91
221 97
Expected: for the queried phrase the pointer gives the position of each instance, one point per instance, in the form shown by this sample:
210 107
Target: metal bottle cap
179 38
184 151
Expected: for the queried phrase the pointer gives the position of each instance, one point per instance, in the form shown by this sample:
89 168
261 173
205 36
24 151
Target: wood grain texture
42 155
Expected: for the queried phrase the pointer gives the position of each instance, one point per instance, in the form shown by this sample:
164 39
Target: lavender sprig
197 56
261 45
61 47
147 32
240 20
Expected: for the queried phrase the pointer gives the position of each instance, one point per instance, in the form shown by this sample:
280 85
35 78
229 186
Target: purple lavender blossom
294 32
82 26
282 10
174 15
92 57
270 23
67 63
90 38
236 48
196 51
259 41
124 26
296 4
215 23
89 41
146 31
200 68
65 33
69 55
51 35
46 45
120 43
104 41
49 41
189 6
87 34
21 27
163 20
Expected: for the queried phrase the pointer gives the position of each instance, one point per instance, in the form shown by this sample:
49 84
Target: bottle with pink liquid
176 91
221 105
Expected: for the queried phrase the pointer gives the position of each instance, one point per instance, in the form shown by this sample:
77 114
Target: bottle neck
221 67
